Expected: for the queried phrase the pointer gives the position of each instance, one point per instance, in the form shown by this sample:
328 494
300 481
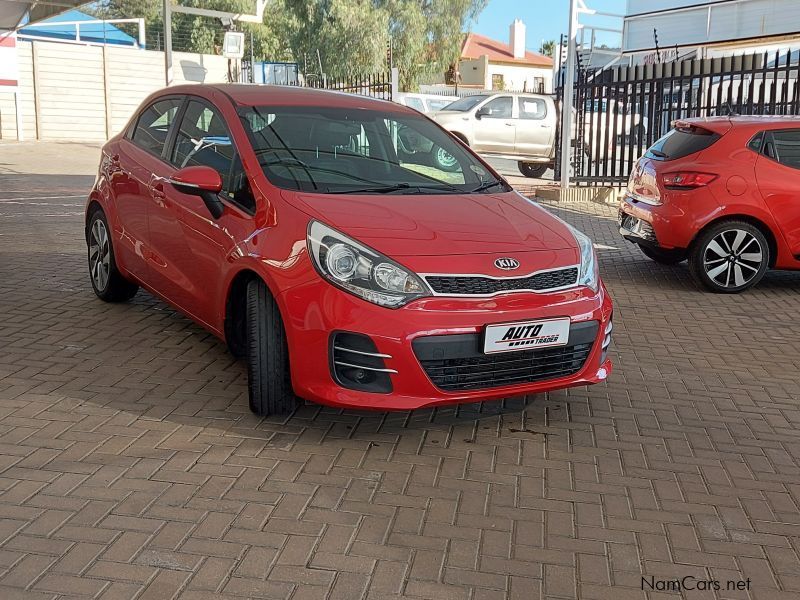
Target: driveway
130 465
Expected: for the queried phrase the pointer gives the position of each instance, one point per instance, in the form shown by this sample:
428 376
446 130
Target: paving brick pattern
130 466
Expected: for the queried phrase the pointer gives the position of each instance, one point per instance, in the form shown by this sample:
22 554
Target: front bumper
409 337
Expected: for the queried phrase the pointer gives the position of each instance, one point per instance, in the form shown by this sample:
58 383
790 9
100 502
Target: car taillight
687 180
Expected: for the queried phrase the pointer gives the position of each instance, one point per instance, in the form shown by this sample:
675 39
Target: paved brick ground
130 465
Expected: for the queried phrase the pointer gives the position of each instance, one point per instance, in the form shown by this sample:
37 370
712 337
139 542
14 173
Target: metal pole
566 102
168 41
18 111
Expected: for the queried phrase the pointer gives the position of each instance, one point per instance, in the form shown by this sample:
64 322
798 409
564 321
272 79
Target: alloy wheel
445 159
99 255
733 258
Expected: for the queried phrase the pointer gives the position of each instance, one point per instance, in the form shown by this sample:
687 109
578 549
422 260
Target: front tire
662 256
533 170
729 257
107 282
269 382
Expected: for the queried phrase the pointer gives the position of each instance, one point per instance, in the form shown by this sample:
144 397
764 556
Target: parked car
292 224
722 192
624 119
514 126
424 103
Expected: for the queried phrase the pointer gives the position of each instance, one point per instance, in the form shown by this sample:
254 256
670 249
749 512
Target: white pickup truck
516 126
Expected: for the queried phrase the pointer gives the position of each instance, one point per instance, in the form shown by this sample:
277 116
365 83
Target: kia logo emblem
507 264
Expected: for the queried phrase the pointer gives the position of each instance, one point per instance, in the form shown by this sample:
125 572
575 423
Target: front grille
457 362
458 285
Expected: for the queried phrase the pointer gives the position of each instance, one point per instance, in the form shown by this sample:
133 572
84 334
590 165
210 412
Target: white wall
517 78
708 22
88 93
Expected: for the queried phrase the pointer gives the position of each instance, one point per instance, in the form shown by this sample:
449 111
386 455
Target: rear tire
269 382
729 257
533 170
662 256
107 282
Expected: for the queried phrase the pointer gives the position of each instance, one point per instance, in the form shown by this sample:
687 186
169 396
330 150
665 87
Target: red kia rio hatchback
722 192
320 237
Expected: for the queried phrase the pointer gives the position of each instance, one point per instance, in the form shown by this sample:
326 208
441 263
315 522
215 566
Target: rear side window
532 108
786 145
153 125
757 143
682 142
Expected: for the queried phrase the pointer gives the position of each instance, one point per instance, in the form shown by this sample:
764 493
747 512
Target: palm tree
548 48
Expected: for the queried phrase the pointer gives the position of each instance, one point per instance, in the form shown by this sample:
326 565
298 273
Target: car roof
755 122
248 94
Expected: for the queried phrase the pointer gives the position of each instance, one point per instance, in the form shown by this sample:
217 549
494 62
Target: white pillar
168 41
569 90
395 82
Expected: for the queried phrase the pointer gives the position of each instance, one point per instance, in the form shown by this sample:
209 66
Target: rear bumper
417 341
665 225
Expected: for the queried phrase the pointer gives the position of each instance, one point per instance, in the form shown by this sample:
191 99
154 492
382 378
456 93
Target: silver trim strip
506 277
344 364
362 353
643 199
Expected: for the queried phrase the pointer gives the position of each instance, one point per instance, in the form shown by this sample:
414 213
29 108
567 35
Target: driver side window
499 108
204 139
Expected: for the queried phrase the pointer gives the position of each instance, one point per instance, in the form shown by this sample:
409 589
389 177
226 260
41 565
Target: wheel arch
92 207
235 307
461 137
752 220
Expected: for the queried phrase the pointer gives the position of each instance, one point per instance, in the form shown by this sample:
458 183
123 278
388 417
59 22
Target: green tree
427 36
348 37
548 48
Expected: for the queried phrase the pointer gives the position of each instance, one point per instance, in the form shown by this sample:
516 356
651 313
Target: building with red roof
492 64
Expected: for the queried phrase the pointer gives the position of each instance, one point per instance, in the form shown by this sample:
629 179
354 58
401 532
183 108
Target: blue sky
545 19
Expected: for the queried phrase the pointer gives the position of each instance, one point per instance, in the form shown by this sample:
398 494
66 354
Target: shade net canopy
15 13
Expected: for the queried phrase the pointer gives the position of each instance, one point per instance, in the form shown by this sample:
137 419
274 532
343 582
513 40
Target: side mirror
200 181
482 112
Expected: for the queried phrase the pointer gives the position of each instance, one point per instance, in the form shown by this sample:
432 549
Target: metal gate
376 85
621 111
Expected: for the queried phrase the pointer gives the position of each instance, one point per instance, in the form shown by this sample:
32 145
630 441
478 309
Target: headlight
589 274
360 270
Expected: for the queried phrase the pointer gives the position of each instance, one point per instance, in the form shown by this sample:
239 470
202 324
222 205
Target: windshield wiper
486 186
398 187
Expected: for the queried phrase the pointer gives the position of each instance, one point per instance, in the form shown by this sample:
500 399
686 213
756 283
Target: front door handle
509 124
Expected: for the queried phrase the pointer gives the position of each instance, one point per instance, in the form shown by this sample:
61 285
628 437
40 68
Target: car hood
449 115
440 225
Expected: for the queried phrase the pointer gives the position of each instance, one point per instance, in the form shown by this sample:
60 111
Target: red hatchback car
318 235
722 192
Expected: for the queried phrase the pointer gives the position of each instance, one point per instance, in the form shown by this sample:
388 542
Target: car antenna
731 112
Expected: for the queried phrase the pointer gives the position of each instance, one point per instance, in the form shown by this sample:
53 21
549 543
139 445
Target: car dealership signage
9 74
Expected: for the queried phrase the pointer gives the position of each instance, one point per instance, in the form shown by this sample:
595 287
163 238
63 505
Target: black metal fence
377 85
621 111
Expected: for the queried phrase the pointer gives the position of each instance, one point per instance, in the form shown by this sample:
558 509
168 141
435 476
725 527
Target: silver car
515 126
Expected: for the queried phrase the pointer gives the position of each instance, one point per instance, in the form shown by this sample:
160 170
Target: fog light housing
356 363
607 338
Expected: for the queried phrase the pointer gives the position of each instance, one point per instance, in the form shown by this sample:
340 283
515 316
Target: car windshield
436 104
352 150
467 103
